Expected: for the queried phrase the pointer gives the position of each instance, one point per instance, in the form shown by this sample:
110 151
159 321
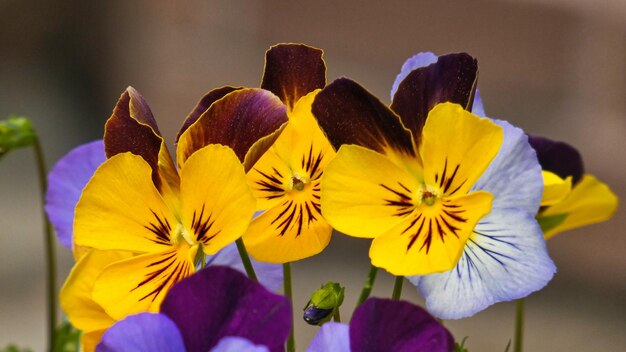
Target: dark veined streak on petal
234 305
247 120
451 79
504 259
349 114
140 283
203 105
292 71
558 157
398 326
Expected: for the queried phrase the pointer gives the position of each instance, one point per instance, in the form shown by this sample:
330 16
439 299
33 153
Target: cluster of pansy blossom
453 200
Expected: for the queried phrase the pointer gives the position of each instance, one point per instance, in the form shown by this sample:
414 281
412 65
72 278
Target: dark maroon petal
397 326
131 128
247 120
219 301
292 71
451 79
558 157
203 105
349 114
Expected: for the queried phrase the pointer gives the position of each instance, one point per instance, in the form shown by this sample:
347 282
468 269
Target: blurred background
556 68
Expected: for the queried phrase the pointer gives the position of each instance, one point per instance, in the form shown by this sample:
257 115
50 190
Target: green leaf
15 132
67 338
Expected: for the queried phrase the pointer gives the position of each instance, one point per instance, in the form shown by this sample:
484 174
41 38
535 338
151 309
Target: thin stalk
245 259
397 288
202 260
50 255
369 284
519 325
337 316
291 343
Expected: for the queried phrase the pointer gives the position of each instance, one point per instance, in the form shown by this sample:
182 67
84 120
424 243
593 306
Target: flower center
428 195
297 183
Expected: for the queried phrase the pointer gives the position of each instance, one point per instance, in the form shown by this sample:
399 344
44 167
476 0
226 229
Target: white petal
506 260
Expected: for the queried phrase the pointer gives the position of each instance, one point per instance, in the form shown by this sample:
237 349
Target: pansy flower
572 198
139 202
286 179
495 255
217 309
385 325
404 179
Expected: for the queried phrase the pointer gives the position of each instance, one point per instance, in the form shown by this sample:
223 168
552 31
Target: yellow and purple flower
448 197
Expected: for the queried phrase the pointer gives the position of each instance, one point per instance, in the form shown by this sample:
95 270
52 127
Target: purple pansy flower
216 309
385 325
66 182
506 256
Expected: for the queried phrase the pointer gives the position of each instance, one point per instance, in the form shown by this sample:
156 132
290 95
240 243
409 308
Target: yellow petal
589 202
217 203
364 193
75 296
139 284
431 240
457 147
301 151
89 340
555 189
291 231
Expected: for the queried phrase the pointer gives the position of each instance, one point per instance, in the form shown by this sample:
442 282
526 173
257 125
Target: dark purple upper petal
65 185
558 157
451 79
145 332
397 326
219 301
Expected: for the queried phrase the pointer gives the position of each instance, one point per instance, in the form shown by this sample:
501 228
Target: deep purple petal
397 326
422 59
237 344
142 332
270 275
558 157
219 301
65 185
332 337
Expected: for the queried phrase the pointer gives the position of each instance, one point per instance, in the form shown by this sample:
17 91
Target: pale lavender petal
477 106
332 337
219 301
145 332
505 259
397 326
415 62
237 344
65 185
270 275
514 176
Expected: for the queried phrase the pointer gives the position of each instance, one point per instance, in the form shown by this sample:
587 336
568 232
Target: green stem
369 284
291 343
50 255
245 259
337 316
519 325
397 288
202 259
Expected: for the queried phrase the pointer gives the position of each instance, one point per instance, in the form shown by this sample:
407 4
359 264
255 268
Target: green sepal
549 222
460 347
15 132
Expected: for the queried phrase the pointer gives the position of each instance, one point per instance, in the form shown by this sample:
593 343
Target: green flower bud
15 132
324 303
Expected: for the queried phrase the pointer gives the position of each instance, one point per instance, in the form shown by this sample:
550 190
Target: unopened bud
324 303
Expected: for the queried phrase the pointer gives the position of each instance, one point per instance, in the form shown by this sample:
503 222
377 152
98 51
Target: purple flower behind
218 307
65 185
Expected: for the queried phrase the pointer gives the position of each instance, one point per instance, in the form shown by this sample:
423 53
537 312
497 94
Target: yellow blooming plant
142 224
